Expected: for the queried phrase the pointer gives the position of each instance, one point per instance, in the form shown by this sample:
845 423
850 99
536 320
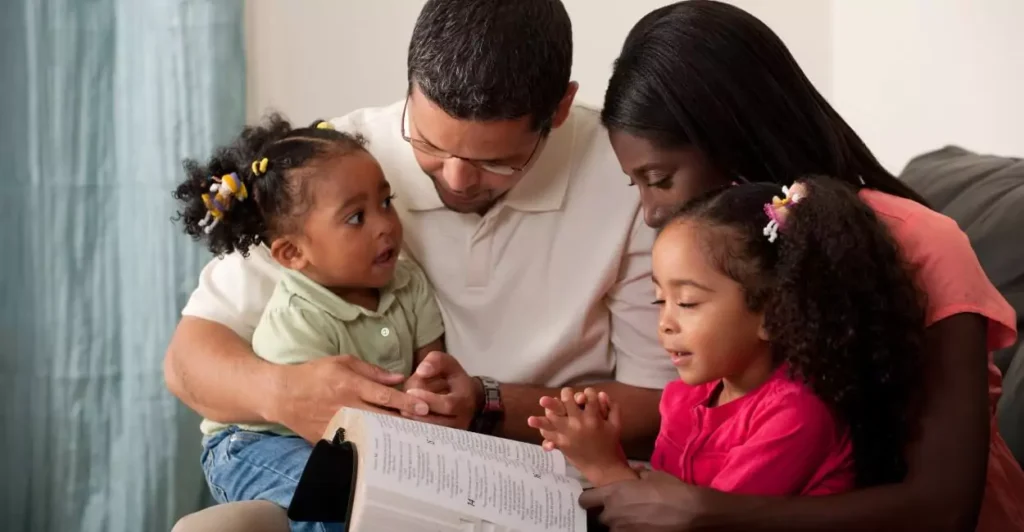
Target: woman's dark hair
841 307
710 75
277 197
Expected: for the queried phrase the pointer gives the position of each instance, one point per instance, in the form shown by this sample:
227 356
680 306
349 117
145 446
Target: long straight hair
710 75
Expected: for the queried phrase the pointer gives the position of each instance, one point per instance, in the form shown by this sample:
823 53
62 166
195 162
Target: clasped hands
304 397
586 427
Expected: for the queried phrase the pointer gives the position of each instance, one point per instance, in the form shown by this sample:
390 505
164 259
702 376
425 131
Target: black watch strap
492 412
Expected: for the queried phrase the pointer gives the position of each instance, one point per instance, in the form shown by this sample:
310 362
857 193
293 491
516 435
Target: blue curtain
99 101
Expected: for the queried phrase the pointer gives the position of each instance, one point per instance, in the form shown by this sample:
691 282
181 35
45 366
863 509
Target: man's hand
308 395
588 437
454 408
657 502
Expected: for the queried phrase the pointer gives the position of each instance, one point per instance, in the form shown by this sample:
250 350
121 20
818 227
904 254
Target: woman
704 94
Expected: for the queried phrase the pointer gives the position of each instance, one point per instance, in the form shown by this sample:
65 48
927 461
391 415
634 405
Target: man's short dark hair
493 59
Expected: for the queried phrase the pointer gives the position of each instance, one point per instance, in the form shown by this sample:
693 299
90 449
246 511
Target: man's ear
288 254
564 106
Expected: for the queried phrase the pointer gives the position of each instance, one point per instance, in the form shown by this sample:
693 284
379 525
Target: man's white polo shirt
550 287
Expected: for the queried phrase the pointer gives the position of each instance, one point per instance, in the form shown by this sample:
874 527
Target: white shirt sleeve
639 358
234 290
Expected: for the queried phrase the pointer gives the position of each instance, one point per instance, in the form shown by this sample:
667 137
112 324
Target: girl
318 203
796 331
703 94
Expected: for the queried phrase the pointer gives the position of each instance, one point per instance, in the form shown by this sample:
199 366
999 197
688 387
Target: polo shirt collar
541 189
298 285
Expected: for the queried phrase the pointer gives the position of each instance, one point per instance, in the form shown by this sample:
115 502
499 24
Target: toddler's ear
288 254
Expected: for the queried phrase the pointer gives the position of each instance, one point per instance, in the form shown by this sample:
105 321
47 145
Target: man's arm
943 490
211 367
457 407
214 372
232 384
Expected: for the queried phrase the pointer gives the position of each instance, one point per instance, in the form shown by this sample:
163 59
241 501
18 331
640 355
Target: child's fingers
569 402
551 436
548 445
615 415
605 402
593 410
540 423
553 405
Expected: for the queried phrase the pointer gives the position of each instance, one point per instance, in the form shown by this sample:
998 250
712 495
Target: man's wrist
479 397
490 411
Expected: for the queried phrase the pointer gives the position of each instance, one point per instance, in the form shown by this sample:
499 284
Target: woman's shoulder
944 264
926 238
908 219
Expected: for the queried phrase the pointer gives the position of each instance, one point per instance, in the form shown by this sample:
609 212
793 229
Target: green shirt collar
298 285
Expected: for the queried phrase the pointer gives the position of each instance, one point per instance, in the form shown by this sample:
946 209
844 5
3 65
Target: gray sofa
985 195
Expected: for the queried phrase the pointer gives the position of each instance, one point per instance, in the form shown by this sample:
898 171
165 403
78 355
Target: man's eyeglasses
494 168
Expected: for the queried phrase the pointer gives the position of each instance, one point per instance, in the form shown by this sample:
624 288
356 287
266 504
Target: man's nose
460 176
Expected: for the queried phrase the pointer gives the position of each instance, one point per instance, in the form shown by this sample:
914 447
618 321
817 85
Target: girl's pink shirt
778 439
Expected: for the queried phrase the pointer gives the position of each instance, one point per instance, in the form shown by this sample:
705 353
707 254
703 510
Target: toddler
319 204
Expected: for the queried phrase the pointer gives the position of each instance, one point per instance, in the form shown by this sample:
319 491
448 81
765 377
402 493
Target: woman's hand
588 436
655 502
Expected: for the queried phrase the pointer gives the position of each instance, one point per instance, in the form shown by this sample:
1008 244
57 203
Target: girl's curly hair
841 306
278 197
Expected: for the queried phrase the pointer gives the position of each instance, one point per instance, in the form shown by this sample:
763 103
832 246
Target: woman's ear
288 254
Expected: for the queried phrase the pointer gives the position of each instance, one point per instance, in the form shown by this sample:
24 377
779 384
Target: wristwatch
492 411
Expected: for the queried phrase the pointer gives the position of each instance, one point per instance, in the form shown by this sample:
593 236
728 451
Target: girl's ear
762 333
288 254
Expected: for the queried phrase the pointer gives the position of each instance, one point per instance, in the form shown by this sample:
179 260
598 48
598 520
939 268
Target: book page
526 456
464 473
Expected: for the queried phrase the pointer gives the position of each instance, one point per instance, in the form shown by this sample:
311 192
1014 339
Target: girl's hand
588 437
605 403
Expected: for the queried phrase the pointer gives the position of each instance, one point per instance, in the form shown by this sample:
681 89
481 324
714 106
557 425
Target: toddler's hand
588 437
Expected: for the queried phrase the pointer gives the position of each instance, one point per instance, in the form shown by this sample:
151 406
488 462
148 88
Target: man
513 205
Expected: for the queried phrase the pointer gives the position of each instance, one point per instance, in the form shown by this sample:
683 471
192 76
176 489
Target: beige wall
913 75
910 75
315 58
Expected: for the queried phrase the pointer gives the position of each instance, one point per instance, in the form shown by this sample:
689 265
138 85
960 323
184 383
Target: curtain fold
99 102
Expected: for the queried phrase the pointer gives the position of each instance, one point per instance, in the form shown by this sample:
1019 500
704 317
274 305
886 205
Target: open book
390 473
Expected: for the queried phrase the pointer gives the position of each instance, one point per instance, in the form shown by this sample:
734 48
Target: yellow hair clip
260 167
225 189
325 125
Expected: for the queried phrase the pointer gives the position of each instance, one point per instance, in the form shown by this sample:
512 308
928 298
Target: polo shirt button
385 332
